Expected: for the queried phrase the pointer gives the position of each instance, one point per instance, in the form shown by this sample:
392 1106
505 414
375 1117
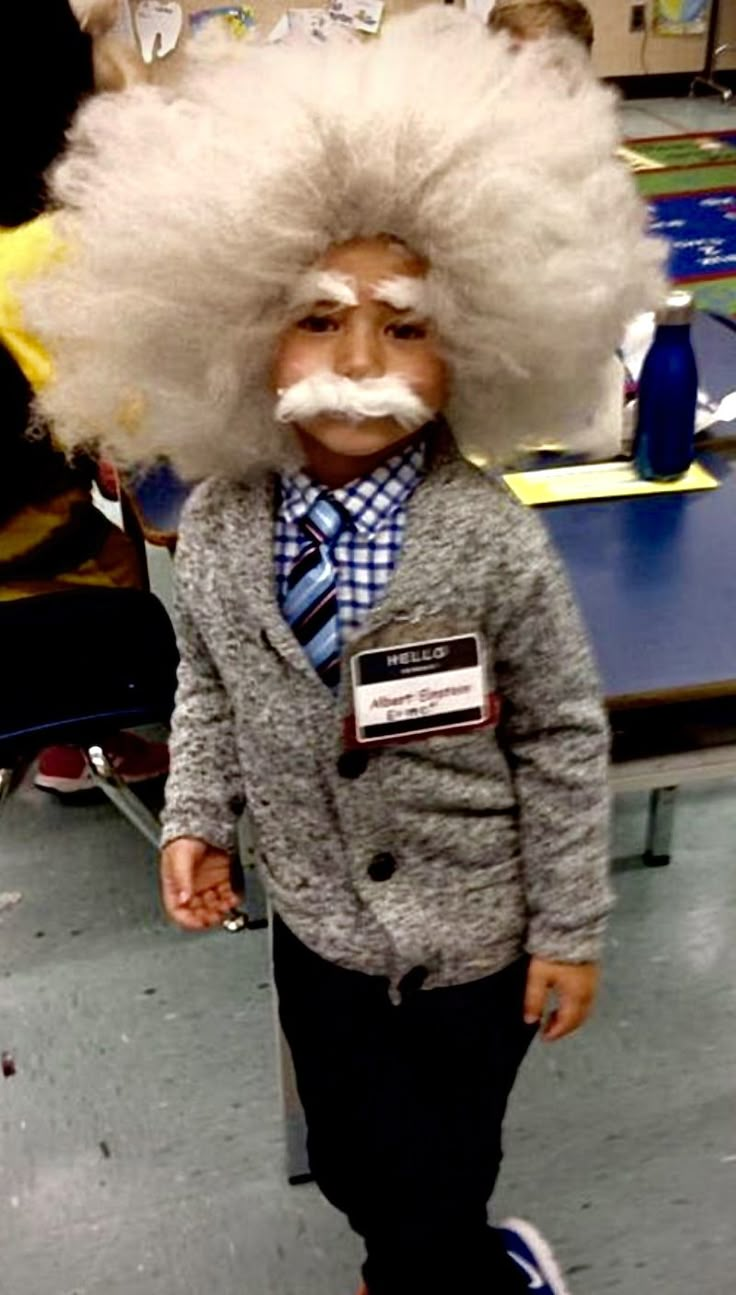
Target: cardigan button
352 764
382 867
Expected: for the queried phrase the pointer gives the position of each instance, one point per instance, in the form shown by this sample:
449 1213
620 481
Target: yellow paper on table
599 481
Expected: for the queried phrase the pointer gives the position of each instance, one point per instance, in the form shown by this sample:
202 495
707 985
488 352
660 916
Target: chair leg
658 850
9 779
130 806
7 782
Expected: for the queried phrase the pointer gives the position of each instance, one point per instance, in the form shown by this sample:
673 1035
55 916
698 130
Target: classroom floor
140 1139
642 117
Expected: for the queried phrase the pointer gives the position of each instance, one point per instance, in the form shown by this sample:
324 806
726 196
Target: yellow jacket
58 541
24 253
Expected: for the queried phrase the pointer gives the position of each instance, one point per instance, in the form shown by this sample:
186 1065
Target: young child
530 19
303 279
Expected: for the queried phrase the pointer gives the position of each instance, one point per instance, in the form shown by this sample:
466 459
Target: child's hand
195 884
574 986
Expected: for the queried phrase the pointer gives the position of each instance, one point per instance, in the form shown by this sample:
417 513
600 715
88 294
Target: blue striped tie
310 603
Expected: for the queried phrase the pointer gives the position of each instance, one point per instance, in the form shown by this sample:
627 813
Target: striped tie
310 603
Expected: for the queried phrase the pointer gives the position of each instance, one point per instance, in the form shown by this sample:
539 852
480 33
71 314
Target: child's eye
407 332
317 324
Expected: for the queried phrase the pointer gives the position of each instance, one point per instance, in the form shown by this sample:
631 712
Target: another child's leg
404 1108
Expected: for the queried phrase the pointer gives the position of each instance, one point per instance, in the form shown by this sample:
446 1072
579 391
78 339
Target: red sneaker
63 769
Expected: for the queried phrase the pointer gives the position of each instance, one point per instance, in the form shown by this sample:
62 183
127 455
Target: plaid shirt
366 552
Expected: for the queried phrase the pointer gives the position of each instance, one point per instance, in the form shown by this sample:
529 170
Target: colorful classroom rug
690 183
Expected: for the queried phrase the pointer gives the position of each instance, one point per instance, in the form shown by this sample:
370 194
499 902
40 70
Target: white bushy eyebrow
403 292
330 287
325 286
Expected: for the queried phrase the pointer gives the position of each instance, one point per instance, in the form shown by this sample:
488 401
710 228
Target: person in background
52 537
530 19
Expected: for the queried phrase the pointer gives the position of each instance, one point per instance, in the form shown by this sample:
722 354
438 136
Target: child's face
363 318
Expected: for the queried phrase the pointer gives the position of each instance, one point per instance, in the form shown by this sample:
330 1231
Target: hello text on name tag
416 689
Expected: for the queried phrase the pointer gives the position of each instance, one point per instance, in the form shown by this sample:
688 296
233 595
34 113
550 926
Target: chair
77 667
151 505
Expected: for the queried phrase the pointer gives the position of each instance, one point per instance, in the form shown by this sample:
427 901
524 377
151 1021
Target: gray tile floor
643 117
140 1141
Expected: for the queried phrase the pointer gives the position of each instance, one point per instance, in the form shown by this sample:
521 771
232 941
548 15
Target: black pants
404 1107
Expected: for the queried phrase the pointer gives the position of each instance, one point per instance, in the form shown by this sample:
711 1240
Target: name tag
416 689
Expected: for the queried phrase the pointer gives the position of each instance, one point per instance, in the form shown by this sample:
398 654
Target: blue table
714 340
656 580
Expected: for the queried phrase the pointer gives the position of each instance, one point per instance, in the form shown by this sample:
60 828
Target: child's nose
359 352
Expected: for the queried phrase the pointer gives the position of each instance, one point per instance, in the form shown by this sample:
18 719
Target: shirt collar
371 501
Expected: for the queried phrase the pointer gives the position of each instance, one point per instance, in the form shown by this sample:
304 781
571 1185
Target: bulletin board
262 19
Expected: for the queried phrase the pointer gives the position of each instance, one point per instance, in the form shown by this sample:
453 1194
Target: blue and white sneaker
528 1248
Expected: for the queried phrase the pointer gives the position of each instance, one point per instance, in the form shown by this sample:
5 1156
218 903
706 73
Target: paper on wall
280 31
237 20
158 25
358 15
681 17
312 23
323 25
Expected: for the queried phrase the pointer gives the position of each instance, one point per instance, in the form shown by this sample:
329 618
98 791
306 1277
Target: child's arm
555 733
204 793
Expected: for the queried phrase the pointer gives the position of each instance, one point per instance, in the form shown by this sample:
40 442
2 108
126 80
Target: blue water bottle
664 442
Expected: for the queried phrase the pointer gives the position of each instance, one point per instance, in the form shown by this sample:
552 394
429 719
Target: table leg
292 1113
295 1128
660 824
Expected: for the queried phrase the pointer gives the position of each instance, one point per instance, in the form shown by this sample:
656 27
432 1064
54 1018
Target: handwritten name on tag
416 689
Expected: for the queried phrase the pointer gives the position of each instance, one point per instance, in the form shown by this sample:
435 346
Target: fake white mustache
328 393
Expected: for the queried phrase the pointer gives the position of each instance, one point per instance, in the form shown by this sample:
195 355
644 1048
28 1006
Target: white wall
619 52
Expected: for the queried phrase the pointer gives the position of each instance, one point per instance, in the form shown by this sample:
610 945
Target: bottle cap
678 308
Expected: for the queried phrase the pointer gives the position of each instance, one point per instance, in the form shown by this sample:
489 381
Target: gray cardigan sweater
497 837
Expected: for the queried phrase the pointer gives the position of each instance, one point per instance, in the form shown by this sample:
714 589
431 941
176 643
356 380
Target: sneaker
527 1247
64 769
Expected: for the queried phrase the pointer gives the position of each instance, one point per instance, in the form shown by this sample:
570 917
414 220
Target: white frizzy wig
189 220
